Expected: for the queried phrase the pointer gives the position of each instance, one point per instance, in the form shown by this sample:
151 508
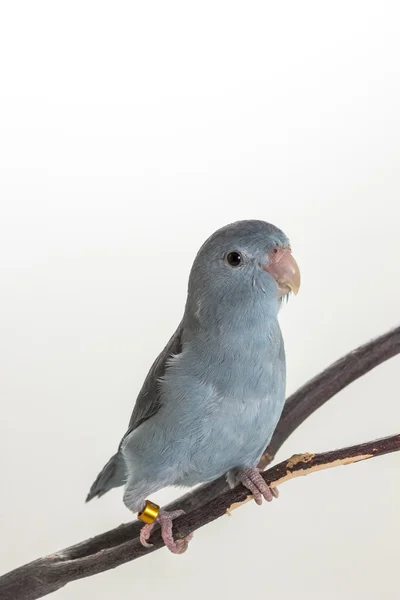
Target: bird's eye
234 259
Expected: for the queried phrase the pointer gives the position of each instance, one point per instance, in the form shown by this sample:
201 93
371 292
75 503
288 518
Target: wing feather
148 401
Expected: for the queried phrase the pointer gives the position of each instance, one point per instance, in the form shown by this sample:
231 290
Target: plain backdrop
129 132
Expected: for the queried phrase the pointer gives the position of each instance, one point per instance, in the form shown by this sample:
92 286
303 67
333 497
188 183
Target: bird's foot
254 482
164 519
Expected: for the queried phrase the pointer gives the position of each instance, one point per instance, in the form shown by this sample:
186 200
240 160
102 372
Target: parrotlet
213 397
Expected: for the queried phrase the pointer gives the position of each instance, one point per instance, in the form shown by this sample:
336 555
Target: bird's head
242 262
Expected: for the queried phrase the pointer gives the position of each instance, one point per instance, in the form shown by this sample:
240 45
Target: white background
130 131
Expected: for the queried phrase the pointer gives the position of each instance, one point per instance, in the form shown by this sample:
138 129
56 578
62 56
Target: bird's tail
113 475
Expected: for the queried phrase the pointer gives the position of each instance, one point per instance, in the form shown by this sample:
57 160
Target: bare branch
50 573
211 501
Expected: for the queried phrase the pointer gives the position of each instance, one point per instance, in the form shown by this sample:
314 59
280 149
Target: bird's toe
254 482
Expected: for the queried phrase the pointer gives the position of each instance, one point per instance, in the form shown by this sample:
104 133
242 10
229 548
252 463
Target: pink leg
165 519
254 482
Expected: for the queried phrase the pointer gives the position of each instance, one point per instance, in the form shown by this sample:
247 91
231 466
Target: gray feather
112 475
147 404
148 400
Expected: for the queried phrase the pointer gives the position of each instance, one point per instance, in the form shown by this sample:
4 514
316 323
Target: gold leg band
150 512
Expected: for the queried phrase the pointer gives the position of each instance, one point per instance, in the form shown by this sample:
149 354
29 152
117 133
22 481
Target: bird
213 397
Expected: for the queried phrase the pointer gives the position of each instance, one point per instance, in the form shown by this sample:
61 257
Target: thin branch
114 547
50 573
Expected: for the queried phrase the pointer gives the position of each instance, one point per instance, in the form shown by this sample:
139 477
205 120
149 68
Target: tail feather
113 475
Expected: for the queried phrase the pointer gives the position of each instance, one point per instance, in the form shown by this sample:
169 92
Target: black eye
234 259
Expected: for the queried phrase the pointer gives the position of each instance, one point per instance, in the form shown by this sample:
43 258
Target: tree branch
50 573
211 501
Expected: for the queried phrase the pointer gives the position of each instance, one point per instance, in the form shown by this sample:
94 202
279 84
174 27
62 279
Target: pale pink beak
284 270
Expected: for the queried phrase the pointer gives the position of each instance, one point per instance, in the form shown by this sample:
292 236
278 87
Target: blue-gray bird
213 397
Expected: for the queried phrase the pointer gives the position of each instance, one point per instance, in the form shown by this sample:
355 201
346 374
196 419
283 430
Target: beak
284 270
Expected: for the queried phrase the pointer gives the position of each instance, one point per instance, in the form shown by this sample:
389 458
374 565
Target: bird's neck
250 320
244 307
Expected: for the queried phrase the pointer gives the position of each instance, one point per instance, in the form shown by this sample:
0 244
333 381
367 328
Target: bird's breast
227 399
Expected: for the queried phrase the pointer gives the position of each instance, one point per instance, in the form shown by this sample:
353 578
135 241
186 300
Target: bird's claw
254 482
165 519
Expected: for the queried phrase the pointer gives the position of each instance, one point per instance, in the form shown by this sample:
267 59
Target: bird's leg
254 482
164 519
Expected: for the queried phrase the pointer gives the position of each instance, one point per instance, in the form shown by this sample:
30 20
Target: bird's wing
148 401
